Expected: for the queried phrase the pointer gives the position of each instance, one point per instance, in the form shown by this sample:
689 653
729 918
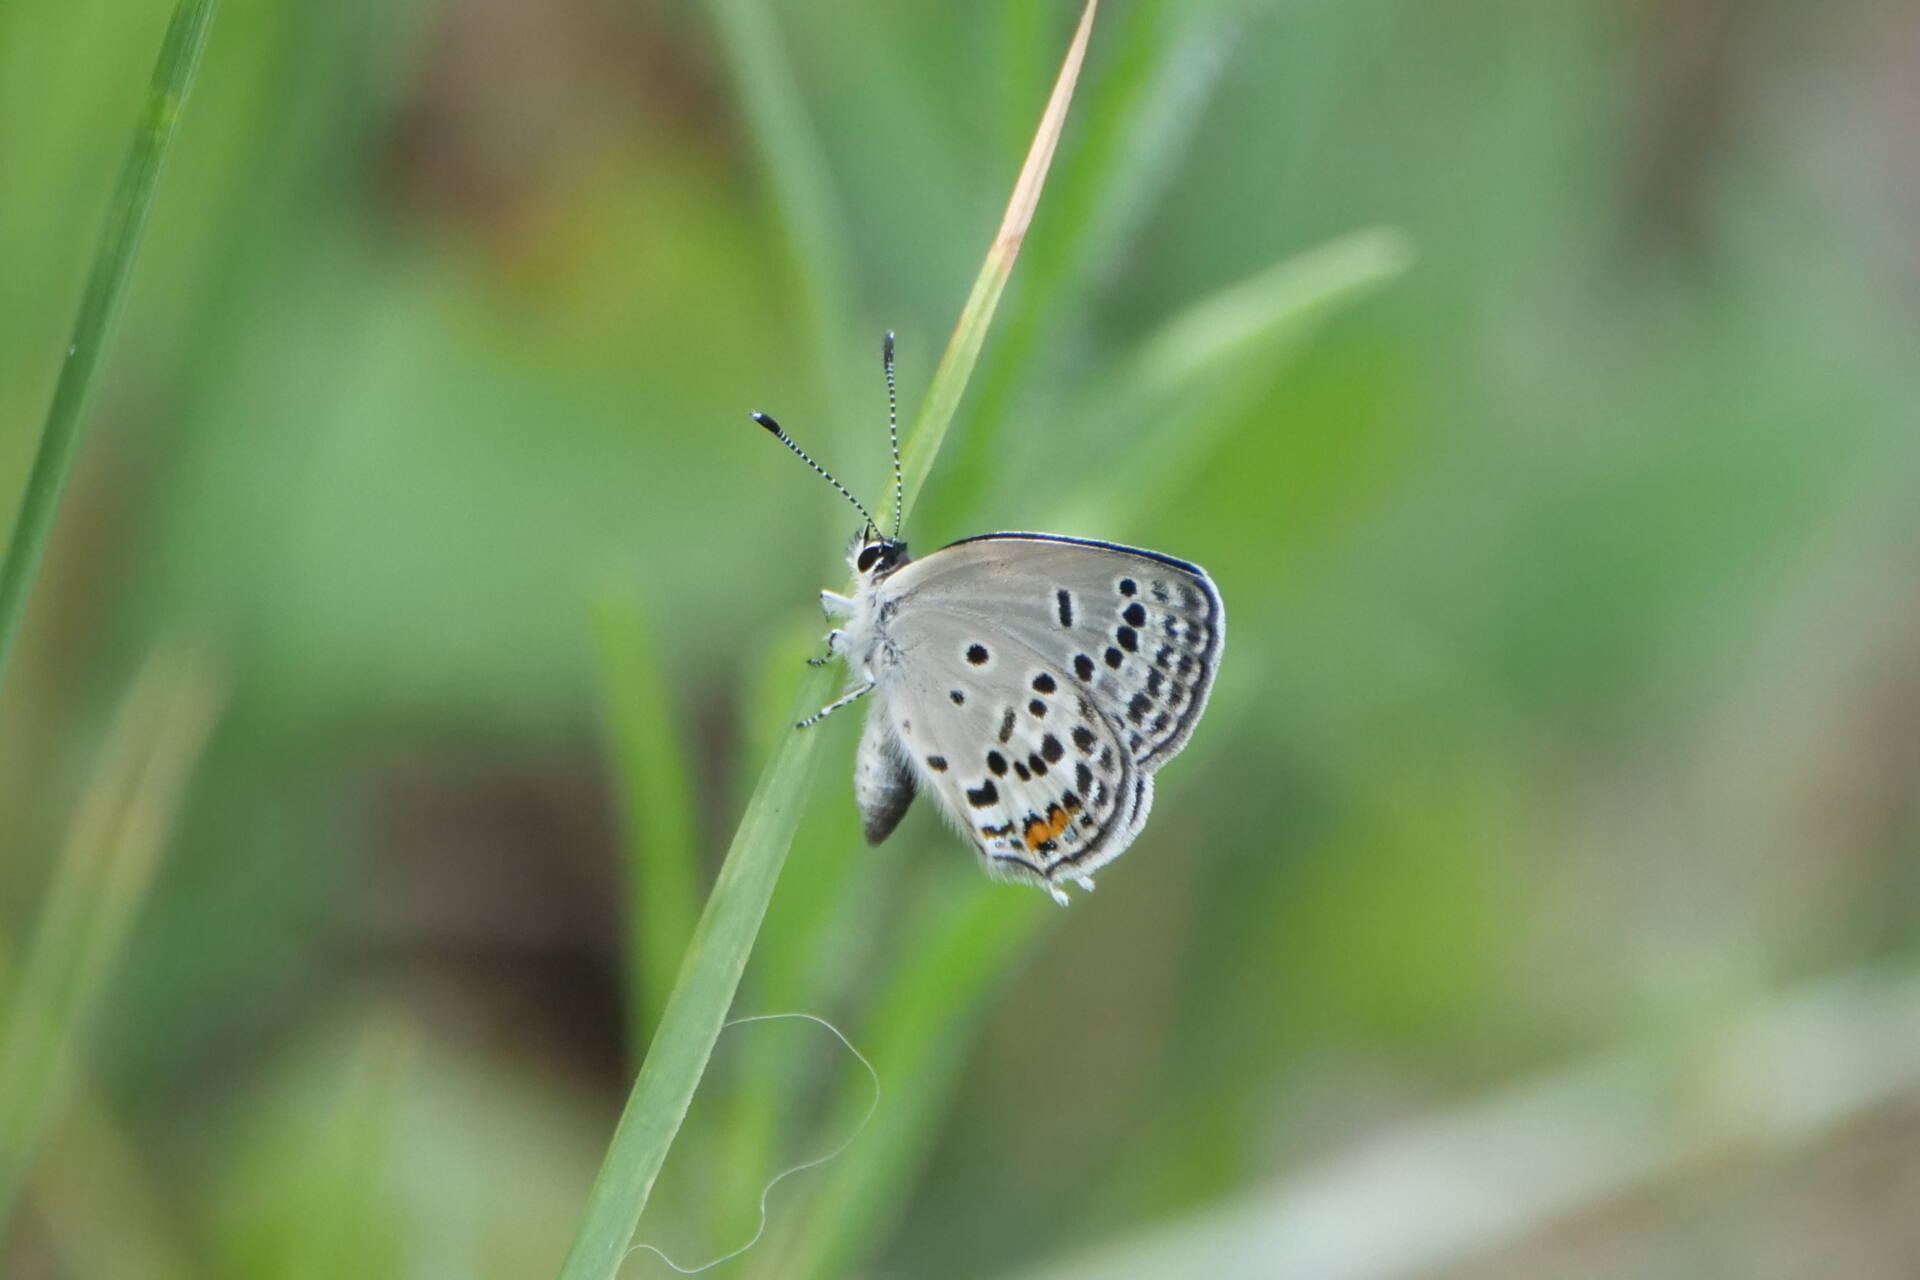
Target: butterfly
1031 683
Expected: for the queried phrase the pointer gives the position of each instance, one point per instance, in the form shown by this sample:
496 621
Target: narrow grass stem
100 308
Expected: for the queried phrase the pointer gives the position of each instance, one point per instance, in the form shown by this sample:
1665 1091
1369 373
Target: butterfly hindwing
1022 761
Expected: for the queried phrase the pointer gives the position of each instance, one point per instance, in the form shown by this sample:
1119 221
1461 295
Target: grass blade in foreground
710 972
99 309
98 884
655 808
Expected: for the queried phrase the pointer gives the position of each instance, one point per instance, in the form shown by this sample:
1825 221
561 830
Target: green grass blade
1155 85
697 1007
710 973
100 308
963 349
98 884
1226 325
656 806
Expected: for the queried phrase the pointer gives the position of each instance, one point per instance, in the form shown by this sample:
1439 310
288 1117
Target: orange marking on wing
1041 830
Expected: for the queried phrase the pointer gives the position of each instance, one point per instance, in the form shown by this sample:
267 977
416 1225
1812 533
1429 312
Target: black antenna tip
886 346
765 421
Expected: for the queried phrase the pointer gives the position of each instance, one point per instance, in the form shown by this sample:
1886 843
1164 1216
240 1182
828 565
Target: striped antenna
801 454
893 435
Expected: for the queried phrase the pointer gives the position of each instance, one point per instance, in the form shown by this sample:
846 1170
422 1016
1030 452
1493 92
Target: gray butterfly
1032 683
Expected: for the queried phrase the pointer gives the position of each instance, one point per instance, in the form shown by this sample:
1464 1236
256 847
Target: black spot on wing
983 795
1064 599
1083 666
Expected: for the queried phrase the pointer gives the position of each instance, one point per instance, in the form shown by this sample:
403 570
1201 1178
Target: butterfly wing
1141 630
1035 683
1039 795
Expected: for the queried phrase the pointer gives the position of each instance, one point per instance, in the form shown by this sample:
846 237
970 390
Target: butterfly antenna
801 454
893 435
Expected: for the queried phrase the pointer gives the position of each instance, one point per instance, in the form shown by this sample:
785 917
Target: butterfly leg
861 691
834 638
835 605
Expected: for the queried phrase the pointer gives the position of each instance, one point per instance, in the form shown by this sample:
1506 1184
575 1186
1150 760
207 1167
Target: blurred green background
1538 898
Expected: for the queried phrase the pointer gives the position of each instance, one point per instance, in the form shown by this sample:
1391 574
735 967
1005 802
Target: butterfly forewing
1141 630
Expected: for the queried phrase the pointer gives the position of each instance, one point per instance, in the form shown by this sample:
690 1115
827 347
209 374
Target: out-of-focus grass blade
1229 339
797 173
347 1228
963 349
99 1205
99 309
318 1192
655 804
98 883
1467 1182
710 973
1227 325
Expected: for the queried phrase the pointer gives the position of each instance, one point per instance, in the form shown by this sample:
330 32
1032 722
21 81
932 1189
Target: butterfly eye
868 558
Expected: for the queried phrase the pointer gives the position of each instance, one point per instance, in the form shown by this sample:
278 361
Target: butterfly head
874 557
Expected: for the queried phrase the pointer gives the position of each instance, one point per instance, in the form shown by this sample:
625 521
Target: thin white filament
760 1229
